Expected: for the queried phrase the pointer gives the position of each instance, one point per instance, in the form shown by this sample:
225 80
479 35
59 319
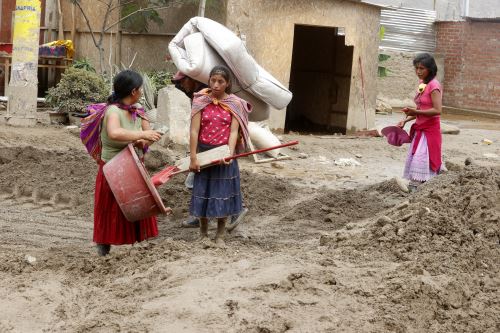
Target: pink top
215 125
424 100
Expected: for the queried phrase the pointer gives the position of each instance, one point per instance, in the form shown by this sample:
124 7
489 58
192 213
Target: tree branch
142 10
77 3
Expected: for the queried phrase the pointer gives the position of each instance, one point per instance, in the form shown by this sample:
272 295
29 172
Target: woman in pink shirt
424 157
217 118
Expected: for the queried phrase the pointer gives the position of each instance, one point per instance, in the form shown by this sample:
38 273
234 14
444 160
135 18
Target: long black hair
225 73
426 60
123 84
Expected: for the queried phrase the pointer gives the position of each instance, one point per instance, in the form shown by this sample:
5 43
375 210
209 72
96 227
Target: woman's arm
402 123
233 136
117 133
193 141
437 104
143 143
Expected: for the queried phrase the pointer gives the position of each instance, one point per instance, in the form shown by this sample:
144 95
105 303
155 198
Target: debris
373 133
358 156
277 165
486 141
346 162
383 220
403 185
424 211
449 129
469 161
71 127
383 107
303 155
30 259
403 205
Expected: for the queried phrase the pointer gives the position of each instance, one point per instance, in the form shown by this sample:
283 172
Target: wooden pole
201 8
60 19
73 24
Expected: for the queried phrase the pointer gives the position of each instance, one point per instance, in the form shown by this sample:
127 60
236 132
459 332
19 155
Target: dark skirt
110 225
216 190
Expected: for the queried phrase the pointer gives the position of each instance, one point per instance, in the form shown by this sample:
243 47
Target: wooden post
60 19
201 8
73 24
7 74
119 47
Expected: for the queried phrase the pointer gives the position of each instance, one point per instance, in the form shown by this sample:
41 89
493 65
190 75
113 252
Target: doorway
320 80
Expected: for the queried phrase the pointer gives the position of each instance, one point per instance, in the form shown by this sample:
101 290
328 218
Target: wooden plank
205 158
259 160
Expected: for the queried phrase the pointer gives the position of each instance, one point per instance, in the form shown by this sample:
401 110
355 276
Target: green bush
77 89
83 63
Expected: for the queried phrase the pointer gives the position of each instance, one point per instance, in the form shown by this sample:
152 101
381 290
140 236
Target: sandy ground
324 248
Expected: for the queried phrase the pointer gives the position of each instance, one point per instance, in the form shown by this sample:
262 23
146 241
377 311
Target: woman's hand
194 165
223 161
142 143
401 124
151 135
168 211
409 111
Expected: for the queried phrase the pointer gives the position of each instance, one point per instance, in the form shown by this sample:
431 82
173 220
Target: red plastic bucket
132 187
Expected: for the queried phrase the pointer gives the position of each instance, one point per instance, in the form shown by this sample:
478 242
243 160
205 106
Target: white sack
263 138
190 58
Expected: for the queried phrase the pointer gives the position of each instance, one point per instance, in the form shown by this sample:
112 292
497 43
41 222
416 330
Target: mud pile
446 241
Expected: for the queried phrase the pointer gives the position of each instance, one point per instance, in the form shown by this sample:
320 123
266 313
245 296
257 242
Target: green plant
160 79
382 70
83 63
76 90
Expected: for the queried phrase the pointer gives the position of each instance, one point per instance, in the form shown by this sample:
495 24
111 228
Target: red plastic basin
132 187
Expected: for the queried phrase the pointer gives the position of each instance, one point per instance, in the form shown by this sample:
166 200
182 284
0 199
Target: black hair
123 84
225 73
426 60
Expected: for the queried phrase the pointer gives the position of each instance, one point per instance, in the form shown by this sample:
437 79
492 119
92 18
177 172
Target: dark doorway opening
320 80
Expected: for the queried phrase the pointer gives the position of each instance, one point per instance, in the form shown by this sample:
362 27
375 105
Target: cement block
174 110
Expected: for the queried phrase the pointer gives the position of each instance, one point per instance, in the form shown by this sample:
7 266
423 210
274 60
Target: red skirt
110 225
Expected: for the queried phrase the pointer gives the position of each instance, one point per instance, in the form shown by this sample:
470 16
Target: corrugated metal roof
408 29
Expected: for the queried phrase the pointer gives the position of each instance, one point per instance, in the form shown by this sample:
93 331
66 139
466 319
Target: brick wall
471 52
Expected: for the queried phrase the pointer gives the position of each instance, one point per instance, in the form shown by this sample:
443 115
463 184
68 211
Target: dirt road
325 248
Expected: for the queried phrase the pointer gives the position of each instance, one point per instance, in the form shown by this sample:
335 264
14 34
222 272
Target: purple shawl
90 130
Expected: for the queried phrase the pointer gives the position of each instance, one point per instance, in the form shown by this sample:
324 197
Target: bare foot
219 242
201 238
205 242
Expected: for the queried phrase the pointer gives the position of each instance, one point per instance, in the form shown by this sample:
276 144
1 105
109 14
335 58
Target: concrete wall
398 87
471 52
269 27
455 10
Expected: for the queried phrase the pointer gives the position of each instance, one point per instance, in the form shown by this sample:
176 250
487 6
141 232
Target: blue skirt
216 190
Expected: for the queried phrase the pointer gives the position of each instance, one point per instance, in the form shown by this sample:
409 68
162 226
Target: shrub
83 63
77 89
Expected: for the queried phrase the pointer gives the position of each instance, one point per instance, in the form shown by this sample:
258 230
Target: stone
174 112
303 155
449 129
383 107
277 165
468 161
383 220
403 185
